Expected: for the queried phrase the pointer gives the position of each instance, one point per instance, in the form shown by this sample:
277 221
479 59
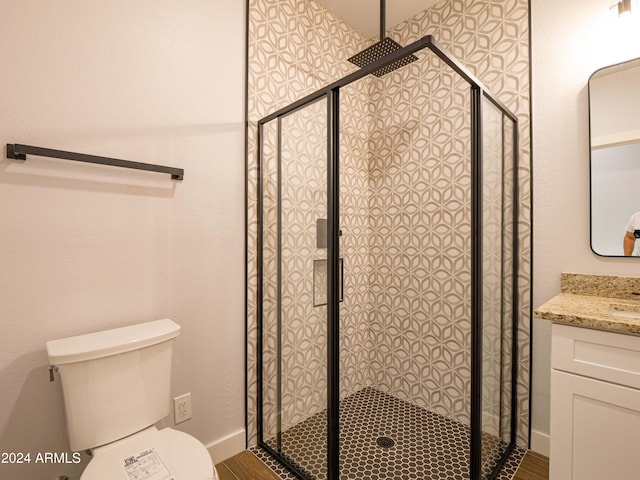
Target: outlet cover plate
182 408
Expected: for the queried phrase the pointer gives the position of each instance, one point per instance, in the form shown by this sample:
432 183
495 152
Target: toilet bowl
116 386
152 454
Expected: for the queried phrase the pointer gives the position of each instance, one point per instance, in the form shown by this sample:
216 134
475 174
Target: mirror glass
614 116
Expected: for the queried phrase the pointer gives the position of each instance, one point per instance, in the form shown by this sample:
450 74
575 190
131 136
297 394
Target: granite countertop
586 301
591 311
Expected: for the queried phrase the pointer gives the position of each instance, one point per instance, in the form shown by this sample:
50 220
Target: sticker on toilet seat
147 465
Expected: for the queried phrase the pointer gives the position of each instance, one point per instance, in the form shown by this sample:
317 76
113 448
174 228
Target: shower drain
385 442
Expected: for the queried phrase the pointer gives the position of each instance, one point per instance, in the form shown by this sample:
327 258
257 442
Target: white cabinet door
595 429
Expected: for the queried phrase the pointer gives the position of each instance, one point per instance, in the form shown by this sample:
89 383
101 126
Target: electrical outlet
182 408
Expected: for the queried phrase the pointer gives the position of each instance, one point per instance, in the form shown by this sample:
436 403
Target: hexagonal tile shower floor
383 437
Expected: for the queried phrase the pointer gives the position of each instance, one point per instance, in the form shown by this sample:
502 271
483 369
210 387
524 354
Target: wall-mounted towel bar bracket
11 153
20 152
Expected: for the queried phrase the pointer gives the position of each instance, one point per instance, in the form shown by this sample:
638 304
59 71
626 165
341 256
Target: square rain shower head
379 50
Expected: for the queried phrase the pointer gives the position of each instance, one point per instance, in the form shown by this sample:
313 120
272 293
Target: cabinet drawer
613 357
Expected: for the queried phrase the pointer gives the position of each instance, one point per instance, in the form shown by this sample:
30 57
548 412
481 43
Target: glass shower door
294 188
498 257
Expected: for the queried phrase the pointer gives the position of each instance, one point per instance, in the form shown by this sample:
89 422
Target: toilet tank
114 382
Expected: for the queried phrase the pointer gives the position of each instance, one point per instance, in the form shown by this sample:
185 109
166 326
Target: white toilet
116 385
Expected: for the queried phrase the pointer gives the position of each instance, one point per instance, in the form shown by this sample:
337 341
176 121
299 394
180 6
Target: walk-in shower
387 275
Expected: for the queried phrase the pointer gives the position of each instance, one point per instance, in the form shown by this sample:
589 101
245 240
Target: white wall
614 110
614 194
570 40
86 247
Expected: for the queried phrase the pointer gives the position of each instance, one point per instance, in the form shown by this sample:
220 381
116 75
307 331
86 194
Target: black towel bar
20 152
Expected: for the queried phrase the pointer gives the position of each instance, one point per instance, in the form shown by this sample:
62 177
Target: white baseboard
227 447
540 442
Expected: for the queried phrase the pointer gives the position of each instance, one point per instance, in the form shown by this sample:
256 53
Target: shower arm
383 14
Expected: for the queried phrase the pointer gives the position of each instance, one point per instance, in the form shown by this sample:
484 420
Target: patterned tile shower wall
404 199
355 129
491 38
296 48
296 206
420 182
303 173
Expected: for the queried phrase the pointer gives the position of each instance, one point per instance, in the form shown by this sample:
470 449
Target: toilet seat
152 454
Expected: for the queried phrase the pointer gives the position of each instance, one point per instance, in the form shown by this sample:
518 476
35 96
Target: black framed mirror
614 134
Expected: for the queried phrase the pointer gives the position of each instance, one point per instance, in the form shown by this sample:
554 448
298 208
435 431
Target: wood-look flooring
533 467
246 466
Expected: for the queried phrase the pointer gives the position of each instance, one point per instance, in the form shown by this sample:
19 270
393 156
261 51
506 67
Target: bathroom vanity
595 377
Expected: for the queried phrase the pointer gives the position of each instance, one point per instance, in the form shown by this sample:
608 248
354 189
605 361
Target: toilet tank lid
111 342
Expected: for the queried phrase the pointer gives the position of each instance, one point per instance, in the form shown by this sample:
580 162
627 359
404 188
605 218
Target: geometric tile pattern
404 203
491 39
303 326
295 48
425 445
302 174
421 237
422 103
